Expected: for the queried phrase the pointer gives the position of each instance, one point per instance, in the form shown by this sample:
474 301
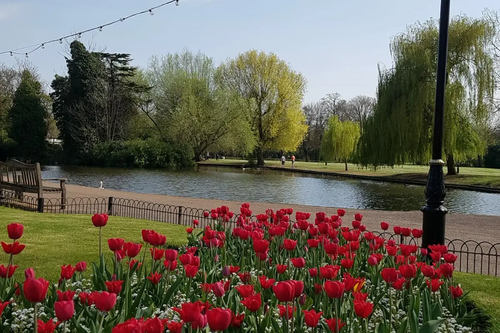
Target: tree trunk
450 164
259 153
326 163
345 165
307 157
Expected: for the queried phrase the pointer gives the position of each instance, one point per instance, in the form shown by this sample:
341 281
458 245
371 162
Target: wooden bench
21 177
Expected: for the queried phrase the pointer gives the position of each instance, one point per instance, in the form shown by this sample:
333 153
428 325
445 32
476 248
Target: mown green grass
55 239
485 291
468 175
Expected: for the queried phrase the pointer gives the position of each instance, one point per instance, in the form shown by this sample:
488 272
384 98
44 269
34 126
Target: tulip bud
302 299
225 271
266 309
424 252
335 240
216 258
29 273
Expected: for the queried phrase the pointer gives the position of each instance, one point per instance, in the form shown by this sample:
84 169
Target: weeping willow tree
400 130
339 141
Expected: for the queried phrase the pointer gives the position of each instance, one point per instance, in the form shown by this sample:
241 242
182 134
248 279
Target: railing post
110 206
40 204
179 216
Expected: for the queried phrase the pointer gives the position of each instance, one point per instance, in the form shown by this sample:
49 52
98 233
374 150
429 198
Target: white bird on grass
101 187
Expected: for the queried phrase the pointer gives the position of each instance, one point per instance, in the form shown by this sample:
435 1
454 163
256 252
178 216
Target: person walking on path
293 161
283 160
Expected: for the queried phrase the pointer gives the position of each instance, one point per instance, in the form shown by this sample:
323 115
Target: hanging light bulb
177 2
122 19
60 41
151 12
43 46
11 54
26 55
79 35
100 28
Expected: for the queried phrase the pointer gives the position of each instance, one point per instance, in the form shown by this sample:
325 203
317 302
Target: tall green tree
400 130
272 94
191 108
28 118
340 140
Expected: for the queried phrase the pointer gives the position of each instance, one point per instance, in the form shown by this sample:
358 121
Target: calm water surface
274 186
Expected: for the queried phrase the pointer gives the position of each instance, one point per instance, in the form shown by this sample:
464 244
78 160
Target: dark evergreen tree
28 119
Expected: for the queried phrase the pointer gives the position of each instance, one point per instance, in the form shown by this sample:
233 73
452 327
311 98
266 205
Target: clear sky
335 44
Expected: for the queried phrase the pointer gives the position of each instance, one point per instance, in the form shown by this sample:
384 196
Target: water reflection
274 186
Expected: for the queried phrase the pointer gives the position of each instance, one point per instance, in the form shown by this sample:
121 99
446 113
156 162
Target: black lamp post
435 192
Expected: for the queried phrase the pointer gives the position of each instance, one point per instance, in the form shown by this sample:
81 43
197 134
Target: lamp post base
434 211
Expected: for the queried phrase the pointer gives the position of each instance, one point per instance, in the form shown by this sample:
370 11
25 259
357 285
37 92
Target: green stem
64 326
100 241
35 318
101 322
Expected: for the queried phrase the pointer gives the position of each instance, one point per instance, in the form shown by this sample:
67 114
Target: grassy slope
469 176
55 239
485 291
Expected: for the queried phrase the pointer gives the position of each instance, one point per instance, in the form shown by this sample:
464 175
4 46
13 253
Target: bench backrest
19 173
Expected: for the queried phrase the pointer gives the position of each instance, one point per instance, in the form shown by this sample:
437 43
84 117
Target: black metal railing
473 256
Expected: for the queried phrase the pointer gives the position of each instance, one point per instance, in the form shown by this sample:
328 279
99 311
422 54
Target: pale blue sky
335 44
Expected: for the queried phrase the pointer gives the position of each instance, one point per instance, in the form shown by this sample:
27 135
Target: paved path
461 226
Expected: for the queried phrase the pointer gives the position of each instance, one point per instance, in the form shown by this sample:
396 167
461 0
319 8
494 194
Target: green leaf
173 288
431 326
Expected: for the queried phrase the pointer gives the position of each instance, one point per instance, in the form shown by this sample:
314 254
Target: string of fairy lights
36 47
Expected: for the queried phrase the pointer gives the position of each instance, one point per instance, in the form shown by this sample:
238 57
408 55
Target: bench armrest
58 179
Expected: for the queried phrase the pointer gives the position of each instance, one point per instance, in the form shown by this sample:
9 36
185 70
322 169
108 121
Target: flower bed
272 275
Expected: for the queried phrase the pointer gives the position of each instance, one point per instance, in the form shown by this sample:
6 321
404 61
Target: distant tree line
183 107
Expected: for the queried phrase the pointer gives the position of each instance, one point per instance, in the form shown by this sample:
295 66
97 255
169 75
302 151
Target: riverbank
460 226
471 179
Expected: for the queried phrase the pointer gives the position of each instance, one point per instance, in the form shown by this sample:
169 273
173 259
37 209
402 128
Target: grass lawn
485 291
468 176
55 239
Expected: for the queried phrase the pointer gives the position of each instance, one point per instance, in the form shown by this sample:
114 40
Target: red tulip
152 325
266 283
170 265
298 287
245 290
408 271
218 289
115 244
100 220
191 270
154 278
298 262
446 270
334 289
397 230
7 272
434 284
81 266
456 291
157 239
48 327
384 225
286 311
67 272
64 310
15 230
359 296
284 291
156 254
105 301
236 321
35 290
189 230
29 273
219 319
2 307
14 248
450 257
114 287
174 327
340 212
171 255
189 312
313 272
311 317
253 303
281 268
260 245
132 249
417 233
390 275
65 295
290 244
372 260
347 263
363 309
428 271
334 324
86 299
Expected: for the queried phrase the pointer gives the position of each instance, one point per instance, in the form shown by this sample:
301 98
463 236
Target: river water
274 186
